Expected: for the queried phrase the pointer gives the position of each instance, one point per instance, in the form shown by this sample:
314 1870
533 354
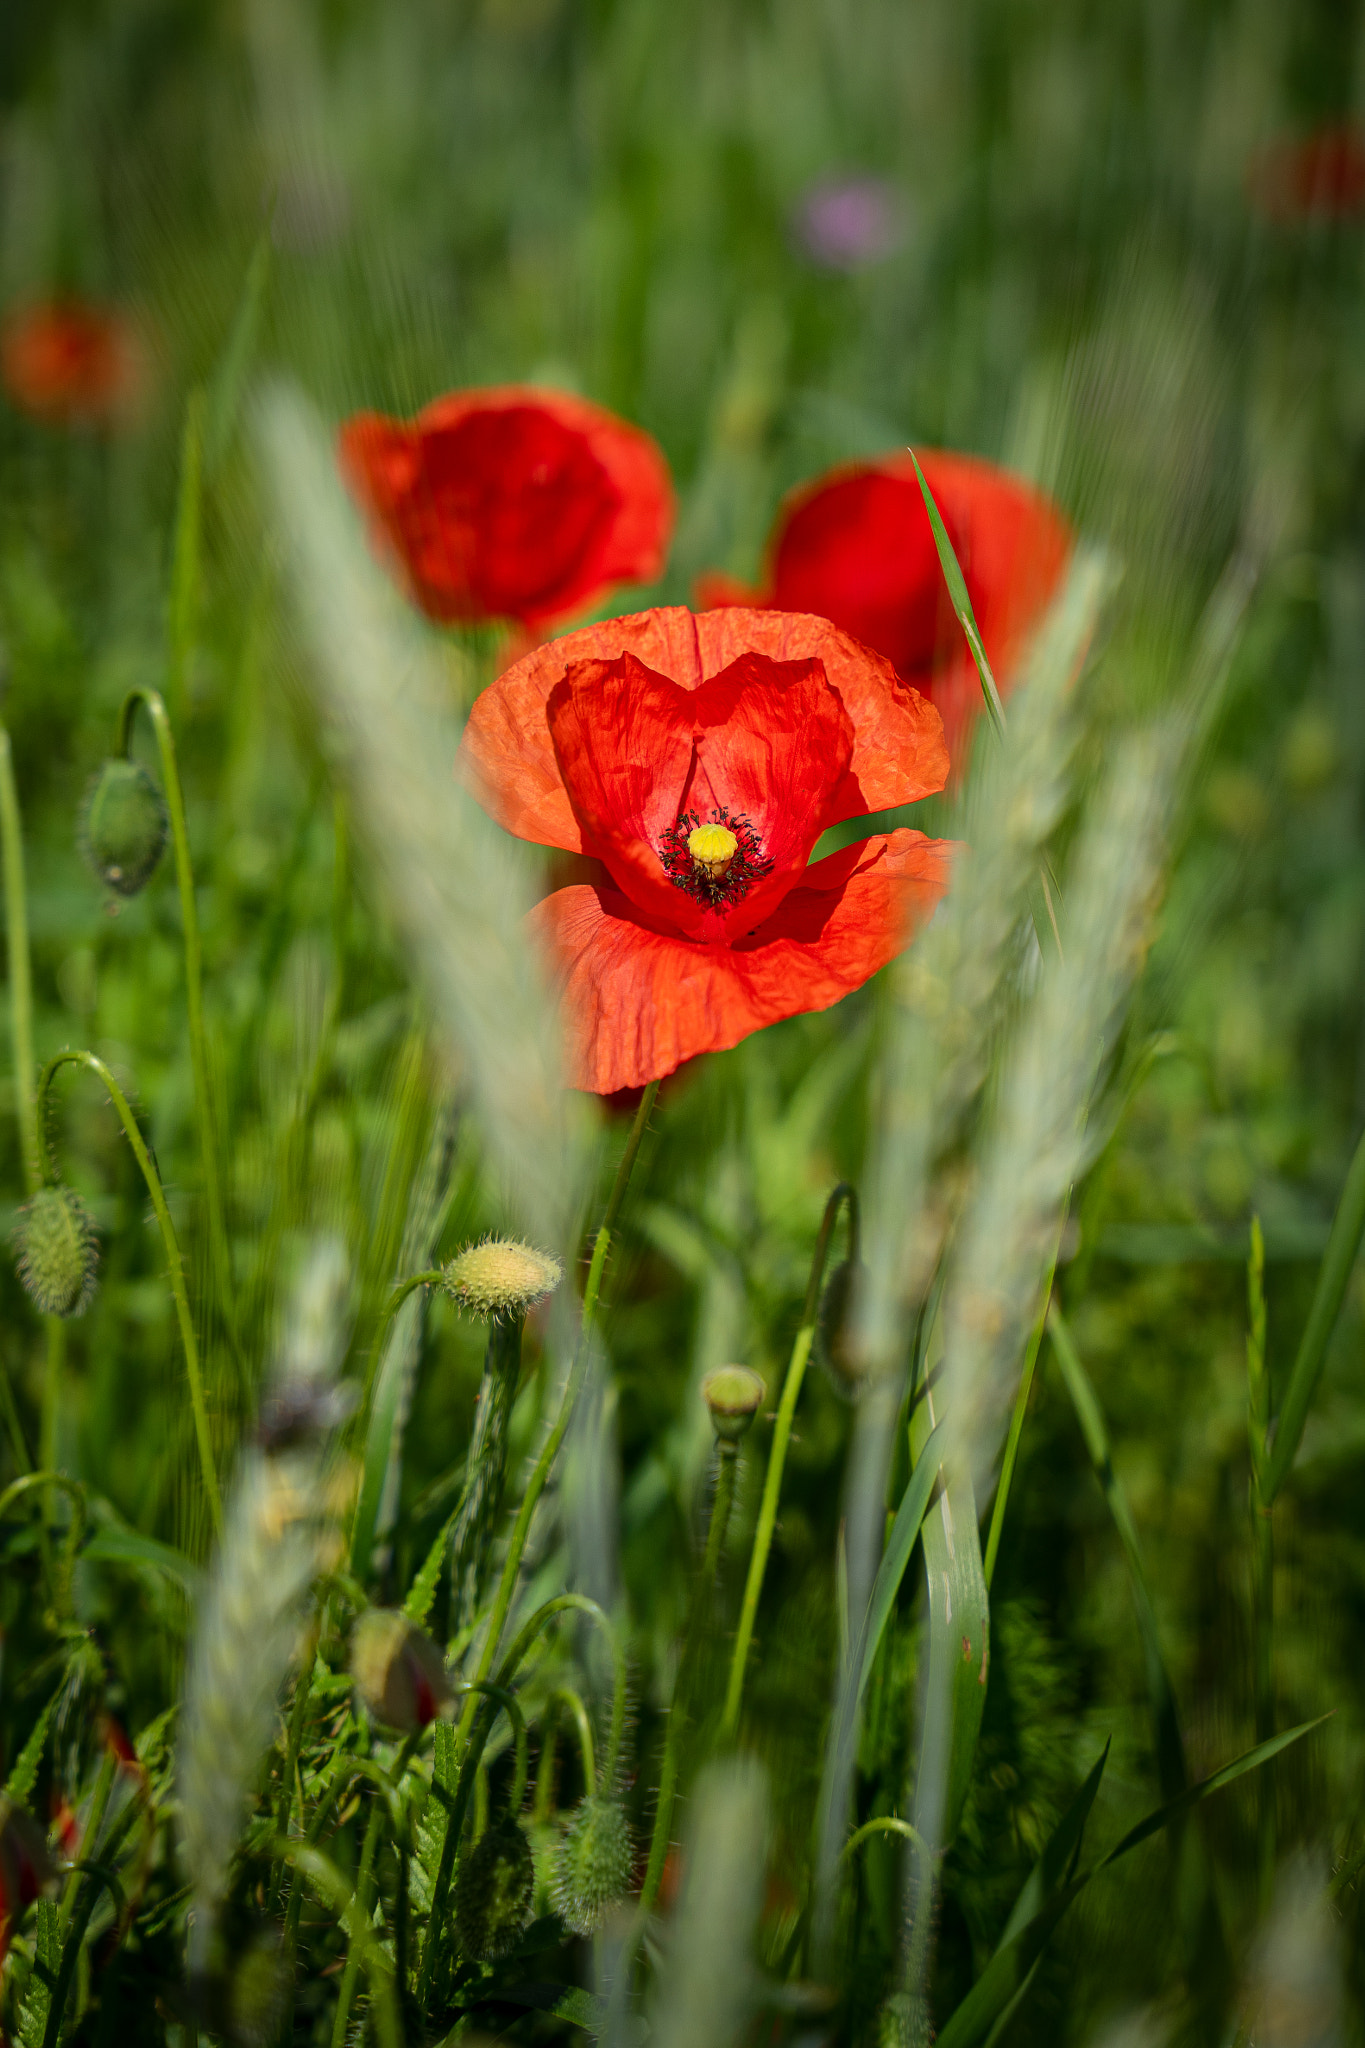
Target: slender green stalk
194 978
183 608
727 1460
401 1293
362 1907
174 1263
20 971
90 1834
54 1361
473 1531
563 1695
1262 1552
1348 1227
1016 1429
549 1451
772 1486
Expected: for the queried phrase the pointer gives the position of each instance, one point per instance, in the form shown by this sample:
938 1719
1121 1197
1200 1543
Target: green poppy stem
20 971
772 1485
549 1451
194 977
727 1459
174 1262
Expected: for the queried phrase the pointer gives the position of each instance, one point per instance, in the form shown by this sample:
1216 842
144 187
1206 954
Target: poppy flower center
714 862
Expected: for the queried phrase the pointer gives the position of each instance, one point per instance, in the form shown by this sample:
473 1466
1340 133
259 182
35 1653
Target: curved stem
772 1485
194 976
400 1295
668 1769
883 1824
20 971
540 1472
362 1906
174 1262
579 1603
583 1722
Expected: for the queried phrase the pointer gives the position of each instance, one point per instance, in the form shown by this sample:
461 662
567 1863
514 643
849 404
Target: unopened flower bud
501 1277
836 1325
123 826
592 1869
399 1672
493 1892
734 1396
56 1252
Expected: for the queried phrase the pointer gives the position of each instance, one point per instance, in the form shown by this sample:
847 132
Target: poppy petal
898 752
511 502
767 742
639 1001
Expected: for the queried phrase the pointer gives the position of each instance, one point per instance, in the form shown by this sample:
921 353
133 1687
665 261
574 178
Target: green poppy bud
734 1396
123 826
836 1325
501 1277
592 1869
399 1672
56 1252
493 1892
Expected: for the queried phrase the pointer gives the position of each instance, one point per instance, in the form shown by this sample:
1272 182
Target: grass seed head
501 1277
56 1252
734 1395
592 1868
493 1892
123 826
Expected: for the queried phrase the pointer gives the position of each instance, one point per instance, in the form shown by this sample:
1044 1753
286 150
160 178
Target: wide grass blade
962 603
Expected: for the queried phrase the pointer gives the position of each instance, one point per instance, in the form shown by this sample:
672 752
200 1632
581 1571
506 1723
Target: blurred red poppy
72 365
697 759
1314 177
856 547
512 503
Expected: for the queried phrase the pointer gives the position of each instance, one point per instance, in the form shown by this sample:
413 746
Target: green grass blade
1049 1872
182 611
896 1556
229 379
24 1776
1170 1747
962 603
1348 1226
959 1651
1174 1809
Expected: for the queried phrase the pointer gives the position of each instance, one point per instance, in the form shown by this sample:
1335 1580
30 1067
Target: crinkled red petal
638 1000
765 741
898 752
511 503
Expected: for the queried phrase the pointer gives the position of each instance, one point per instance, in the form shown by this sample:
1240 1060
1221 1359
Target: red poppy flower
72 364
512 503
698 758
856 547
1316 177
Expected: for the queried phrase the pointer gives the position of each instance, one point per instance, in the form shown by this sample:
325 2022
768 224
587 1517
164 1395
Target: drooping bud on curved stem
175 1265
123 824
56 1252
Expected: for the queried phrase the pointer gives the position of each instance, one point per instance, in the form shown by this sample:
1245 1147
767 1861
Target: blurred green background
1068 269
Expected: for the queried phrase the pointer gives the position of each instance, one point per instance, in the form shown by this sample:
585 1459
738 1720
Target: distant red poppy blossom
72 365
856 547
1313 177
698 758
512 503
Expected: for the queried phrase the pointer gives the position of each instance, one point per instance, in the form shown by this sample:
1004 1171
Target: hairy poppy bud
501 1277
836 1325
123 826
593 1866
734 1396
493 1892
54 1245
399 1671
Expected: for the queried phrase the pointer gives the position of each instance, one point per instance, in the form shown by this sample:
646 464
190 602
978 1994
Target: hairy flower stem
726 1460
1262 1553
175 1265
194 980
487 1466
549 1451
19 969
362 1900
772 1485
